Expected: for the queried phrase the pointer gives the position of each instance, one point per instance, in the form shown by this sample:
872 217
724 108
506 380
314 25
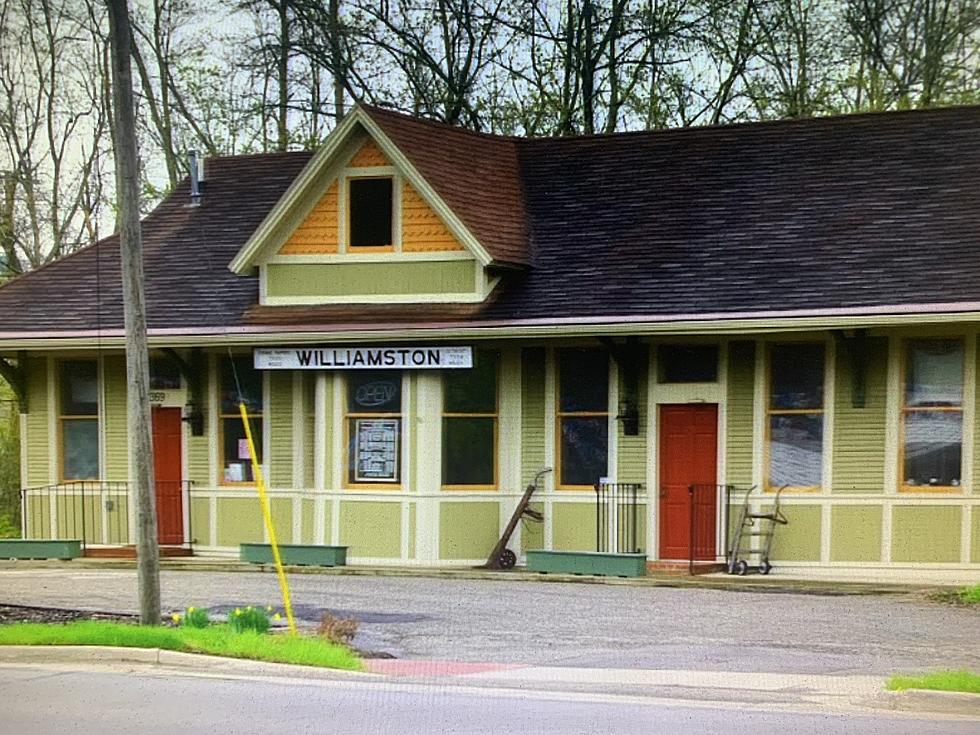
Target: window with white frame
373 418
78 416
582 417
240 381
932 415
795 415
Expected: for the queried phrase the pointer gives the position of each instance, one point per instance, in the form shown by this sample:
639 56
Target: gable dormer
360 225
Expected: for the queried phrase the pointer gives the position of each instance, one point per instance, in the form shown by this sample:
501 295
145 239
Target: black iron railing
703 517
92 511
617 517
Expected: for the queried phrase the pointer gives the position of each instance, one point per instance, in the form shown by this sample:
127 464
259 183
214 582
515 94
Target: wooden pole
137 361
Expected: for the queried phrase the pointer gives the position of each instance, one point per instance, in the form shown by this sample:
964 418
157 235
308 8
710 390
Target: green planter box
15 548
587 562
298 554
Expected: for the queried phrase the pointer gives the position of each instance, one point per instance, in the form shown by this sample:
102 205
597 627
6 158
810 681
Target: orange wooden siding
369 155
422 230
317 234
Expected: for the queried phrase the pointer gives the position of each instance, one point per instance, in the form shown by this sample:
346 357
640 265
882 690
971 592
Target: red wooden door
168 471
688 456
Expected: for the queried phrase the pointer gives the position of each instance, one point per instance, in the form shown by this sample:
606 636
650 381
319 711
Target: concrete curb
929 700
772 585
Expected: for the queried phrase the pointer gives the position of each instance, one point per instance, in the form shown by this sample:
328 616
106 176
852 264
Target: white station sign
363 358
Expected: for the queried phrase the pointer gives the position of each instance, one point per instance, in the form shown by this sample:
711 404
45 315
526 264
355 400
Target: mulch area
27 614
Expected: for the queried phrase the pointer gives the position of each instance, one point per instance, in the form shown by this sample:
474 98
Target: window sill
932 489
470 488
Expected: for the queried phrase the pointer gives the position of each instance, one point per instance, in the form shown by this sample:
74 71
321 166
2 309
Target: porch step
129 552
682 567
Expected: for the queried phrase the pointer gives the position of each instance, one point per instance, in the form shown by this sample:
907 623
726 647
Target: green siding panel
976 443
859 433
468 530
632 450
855 533
573 527
411 530
201 521
975 536
38 444
279 415
38 517
532 413
741 403
799 540
307 522
924 533
281 510
116 433
371 279
371 528
199 447
239 521
309 429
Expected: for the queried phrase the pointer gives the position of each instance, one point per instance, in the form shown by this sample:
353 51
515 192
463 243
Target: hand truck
751 526
501 557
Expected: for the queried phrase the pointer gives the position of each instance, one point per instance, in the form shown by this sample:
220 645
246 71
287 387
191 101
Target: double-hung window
583 417
932 415
469 425
236 460
795 416
374 428
79 419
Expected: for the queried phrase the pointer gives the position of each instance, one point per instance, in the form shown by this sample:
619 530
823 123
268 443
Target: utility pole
137 362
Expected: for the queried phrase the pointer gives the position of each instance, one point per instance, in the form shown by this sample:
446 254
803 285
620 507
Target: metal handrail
616 517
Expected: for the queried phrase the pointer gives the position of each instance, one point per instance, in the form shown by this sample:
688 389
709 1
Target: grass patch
944 681
964 596
217 640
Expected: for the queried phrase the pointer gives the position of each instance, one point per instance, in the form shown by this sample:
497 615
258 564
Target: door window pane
584 449
80 449
687 363
796 450
468 450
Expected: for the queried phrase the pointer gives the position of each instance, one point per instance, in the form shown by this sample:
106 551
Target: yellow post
287 602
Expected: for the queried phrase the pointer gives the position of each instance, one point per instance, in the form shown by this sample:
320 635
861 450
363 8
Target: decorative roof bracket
193 370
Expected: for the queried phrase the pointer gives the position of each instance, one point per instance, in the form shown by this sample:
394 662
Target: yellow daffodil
277 616
175 617
190 609
269 608
238 611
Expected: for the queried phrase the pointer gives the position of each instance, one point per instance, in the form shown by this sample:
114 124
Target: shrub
249 619
337 630
970 595
196 617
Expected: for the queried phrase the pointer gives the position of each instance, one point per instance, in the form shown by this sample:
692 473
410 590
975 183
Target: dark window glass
79 388
249 381
934 373
467 450
237 459
80 449
796 450
796 376
584 376
473 390
164 375
687 363
933 448
584 449
374 391
370 212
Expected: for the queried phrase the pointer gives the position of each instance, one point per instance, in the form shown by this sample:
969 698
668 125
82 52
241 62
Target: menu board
376 450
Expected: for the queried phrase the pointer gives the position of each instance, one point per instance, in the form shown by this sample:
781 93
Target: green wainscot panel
855 533
532 533
800 539
239 521
573 527
411 530
371 279
924 533
307 521
975 536
281 510
117 520
38 517
371 528
468 530
201 521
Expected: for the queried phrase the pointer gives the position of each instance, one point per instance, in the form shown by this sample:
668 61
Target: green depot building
421 320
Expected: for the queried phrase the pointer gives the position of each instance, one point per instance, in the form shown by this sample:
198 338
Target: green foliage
249 618
9 466
195 617
217 640
944 681
969 595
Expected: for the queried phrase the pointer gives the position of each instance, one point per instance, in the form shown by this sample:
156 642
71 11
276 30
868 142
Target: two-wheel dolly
501 557
761 526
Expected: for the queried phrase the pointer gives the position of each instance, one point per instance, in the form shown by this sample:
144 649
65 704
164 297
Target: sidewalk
764 691
819 582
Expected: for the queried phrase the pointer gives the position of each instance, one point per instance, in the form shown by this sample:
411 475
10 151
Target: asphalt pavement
560 624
